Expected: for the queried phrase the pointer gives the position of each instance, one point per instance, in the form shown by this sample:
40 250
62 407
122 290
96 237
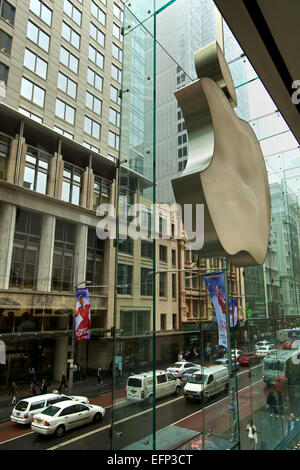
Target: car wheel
97 418
177 390
60 431
150 400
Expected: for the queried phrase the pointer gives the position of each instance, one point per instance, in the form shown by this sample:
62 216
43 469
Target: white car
25 409
178 368
58 418
264 342
263 351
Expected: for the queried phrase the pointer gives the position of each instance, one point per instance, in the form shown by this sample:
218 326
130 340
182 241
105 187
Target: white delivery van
207 382
140 387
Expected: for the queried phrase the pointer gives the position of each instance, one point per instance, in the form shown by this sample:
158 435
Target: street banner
234 317
82 315
215 284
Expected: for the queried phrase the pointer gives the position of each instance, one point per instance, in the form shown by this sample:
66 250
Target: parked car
140 386
188 374
57 419
263 342
263 351
25 409
179 368
247 359
208 382
224 362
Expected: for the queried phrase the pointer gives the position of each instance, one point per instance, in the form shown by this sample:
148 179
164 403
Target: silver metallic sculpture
225 169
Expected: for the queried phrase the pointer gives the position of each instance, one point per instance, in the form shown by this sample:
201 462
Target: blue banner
216 287
82 315
234 315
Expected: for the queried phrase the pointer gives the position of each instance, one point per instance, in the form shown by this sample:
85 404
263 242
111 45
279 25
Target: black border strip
263 29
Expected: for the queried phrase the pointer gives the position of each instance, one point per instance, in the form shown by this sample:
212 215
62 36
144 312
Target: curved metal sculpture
225 170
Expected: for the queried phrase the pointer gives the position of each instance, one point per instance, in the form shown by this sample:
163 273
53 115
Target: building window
25 250
71 185
174 321
63 257
174 258
163 284
117 32
38 36
32 92
65 111
63 132
67 85
92 127
72 12
113 140
93 103
101 191
124 279
4 153
31 115
114 95
146 281
91 147
98 13
163 253
94 79
146 249
36 171
41 10
163 321
7 11
95 260
117 52
135 322
96 57
97 34
126 246
174 286
118 12
69 60
116 73
5 42
3 73
70 35
114 117
35 63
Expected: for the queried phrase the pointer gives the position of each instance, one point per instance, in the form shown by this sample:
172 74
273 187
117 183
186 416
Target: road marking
141 413
17 437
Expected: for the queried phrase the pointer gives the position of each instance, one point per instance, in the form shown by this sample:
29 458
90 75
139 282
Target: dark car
247 359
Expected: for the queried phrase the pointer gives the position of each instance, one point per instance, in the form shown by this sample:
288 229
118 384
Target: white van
140 387
208 381
24 410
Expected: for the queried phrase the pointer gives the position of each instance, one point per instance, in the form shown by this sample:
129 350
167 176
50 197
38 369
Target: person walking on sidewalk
13 393
44 387
272 404
63 383
252 434
99 376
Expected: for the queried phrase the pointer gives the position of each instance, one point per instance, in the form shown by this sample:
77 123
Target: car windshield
59 399
198 379
51 410
177 365
22 405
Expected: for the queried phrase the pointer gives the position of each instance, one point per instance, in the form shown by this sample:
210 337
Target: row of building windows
26 248
125 283
36 176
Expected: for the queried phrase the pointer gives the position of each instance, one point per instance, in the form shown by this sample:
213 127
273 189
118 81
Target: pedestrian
33 387
44 387
279 389
13 393
99 376
272 404
252 434
31 372
63 383
290 426
180 356
75 371
195 355
49 374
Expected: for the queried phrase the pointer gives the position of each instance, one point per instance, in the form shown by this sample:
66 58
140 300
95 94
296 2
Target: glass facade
167 382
